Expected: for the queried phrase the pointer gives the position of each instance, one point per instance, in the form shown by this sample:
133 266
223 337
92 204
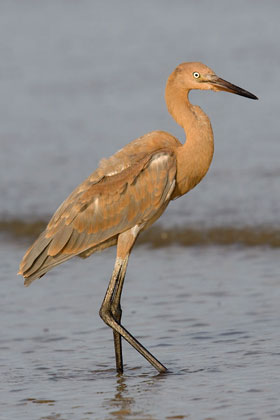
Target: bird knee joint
105 314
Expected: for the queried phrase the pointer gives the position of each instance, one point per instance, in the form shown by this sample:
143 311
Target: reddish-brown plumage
85 219
128 192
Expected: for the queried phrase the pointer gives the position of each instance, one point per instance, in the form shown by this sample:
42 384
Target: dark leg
117 314
110 310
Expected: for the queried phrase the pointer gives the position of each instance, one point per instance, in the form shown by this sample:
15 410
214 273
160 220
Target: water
78 80
210 314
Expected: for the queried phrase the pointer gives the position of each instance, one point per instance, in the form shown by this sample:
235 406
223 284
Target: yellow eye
196 75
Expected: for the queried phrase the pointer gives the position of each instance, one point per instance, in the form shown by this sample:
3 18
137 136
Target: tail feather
49 251
37 260
48 264
33 252
37 264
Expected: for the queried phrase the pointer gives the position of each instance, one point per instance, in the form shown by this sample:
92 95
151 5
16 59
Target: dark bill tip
222 84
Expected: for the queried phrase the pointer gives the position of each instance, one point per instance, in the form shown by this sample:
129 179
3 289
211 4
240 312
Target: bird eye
196 75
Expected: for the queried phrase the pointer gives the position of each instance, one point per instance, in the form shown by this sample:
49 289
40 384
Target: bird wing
104 205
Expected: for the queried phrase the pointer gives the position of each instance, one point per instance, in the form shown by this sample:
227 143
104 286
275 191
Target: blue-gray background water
78 80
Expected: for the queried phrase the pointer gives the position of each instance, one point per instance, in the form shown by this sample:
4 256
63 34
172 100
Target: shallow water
79 80
210 314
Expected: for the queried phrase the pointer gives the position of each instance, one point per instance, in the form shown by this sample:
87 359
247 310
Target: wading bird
128 192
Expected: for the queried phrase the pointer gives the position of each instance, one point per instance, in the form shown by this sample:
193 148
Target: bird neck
190 117
195 155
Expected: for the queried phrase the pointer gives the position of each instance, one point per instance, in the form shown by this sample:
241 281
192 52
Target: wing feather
100 209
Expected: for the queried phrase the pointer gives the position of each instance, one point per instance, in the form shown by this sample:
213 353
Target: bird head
196 75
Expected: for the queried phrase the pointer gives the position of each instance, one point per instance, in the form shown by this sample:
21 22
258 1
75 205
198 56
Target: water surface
210 314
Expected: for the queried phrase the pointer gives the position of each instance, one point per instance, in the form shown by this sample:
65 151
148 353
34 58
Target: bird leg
110 310
117 314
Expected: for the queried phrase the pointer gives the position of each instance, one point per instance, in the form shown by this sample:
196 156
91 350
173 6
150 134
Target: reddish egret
128 192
